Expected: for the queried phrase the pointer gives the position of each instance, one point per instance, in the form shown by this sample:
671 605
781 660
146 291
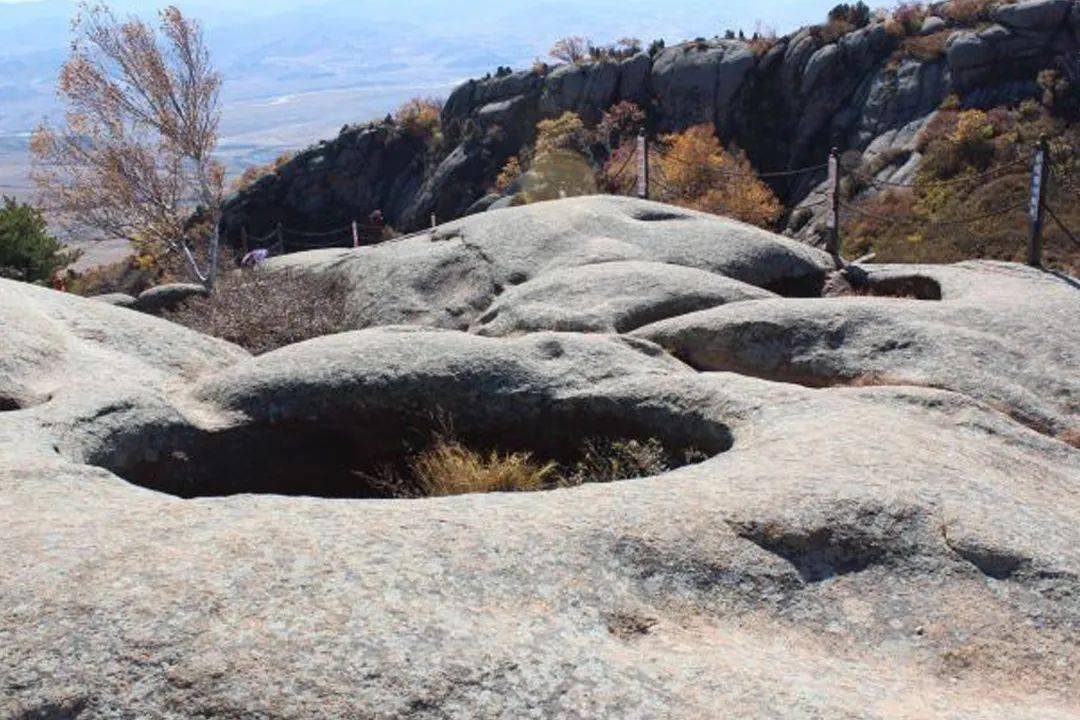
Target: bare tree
134 157
570 49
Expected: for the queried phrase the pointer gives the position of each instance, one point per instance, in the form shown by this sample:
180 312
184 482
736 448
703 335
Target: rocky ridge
786 105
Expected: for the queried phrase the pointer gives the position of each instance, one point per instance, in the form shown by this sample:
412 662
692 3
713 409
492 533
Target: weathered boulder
168 297
450 277
584 89
123 361
932 24
695 82
610 297
118 299
1034 14
331 184
996 332
874 552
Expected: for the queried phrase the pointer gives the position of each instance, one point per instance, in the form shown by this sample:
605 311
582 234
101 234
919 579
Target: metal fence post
355 235
643 166
281 237
1040 168
832 221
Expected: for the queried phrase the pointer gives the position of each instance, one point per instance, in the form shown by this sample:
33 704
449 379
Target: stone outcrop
976 328
465 273
157 299
786 106
188 531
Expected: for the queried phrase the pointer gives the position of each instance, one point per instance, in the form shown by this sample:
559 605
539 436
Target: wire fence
651 182
831 195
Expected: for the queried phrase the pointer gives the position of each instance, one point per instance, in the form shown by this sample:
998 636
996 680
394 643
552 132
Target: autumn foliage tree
420 117
134 157
559 164
570 49
694 170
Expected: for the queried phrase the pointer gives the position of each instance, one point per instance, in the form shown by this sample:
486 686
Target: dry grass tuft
450 468
613 460
447 466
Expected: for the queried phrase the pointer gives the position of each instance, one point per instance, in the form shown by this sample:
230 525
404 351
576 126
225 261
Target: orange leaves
697 172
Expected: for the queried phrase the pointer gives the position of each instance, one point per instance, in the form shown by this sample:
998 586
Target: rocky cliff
786 103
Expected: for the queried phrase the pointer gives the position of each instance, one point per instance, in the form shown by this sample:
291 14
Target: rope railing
1061 225
829 193
626 163
870 179
760 175
834 201
934 223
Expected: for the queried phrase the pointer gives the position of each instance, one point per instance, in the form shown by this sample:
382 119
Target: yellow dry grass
450 468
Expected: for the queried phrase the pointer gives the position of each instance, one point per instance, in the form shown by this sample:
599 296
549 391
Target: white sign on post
643 168
1036 186
831 221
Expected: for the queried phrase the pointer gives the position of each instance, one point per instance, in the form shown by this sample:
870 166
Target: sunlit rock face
880 520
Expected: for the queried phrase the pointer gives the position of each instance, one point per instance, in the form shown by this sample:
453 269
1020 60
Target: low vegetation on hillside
975 163
691 168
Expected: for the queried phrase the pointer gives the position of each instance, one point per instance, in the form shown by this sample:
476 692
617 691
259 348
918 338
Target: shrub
656 47
697 172
619 174
832 31
627 46
620 121
951 102
573 49
764 39
1059 94
130 276
262 309
952 184
556 174
905 20
420 117
967 11
510 172
924 48
857 15
566 132
450 468
27 251
254 173
973 138
607 461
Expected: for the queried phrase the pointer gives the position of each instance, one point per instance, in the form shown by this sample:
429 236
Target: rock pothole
388 455
853 281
